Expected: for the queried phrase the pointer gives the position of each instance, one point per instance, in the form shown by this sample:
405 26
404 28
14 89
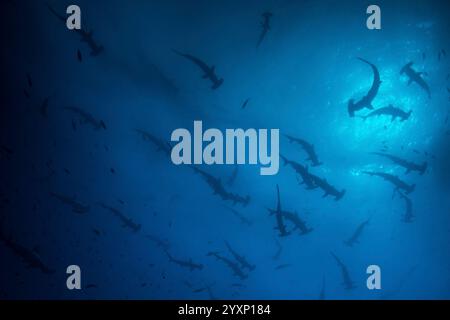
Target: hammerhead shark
29 257
327 188
209 72
240 259
390 110
279 216
86 37
399 184
309 149
348 283
265 27
357 234
160 144
302 171
213 182
164 244
216 185
416 77
236 198
366 101
76 206
232 265
185 264
408 165
127 222
87 118
297 221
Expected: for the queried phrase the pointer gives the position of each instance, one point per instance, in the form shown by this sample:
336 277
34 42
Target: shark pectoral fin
370 107
410 81
325 195
392 118
408 171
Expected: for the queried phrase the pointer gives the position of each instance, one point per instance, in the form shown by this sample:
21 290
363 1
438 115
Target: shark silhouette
265 27
366 101
416 77
209 72
390 110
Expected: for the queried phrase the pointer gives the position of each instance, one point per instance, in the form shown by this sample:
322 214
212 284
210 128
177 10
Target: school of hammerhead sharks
286 223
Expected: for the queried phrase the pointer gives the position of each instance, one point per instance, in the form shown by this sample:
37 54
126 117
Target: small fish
79 56
26 94
265 24
245 103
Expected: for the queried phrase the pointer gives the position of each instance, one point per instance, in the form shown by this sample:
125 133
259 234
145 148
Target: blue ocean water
299 80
